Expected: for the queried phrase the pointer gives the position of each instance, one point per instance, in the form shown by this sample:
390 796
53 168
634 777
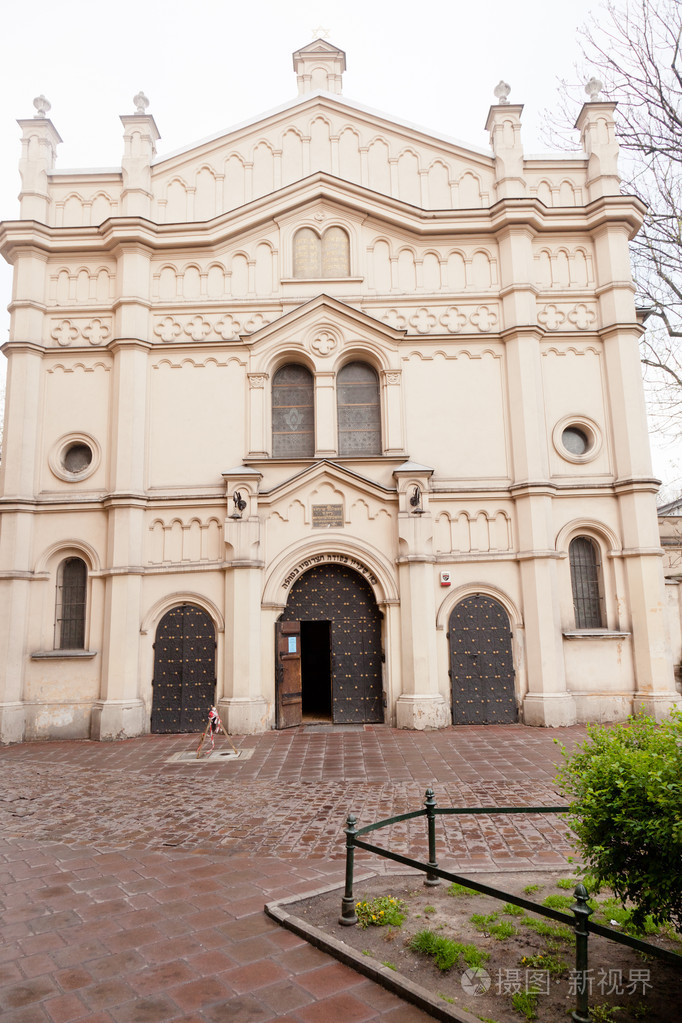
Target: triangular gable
315 312
322 471
326 104
320 133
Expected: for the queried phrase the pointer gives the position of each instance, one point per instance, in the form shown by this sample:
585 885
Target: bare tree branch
635 48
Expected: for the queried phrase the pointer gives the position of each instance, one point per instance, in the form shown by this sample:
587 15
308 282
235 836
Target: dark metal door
342 597
481 663
288 673
184 670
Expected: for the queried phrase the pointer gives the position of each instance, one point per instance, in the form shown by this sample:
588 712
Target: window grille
585 581
293 421
70 611
358 410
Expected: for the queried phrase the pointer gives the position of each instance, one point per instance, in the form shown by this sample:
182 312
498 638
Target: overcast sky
209 64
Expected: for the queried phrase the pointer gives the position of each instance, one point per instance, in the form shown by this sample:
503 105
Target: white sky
208 64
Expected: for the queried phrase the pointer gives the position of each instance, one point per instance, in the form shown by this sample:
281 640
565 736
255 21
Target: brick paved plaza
133 885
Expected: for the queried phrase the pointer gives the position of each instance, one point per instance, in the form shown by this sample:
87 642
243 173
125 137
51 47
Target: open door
288 678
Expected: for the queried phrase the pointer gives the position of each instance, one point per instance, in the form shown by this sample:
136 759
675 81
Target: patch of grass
531 888
482 921
446 953
389 965
489 925
567 883
526 1002
382 910
509 910
446 998
558 901
604 1013
429 909
559 931
460 889
545 961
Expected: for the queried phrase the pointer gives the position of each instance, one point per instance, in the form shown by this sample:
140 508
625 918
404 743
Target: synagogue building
326 418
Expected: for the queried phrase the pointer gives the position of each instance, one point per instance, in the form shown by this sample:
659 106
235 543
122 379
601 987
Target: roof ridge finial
141 102
593 90
42 105
501 92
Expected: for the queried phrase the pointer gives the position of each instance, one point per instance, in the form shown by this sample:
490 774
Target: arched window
293 420
326 256
72 577
358 410
583 556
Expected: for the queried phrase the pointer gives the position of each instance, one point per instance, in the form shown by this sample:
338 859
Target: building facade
326 418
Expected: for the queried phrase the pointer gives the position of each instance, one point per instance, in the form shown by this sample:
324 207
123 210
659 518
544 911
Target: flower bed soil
625 986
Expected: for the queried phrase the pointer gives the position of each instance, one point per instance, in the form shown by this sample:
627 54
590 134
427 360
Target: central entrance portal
328 649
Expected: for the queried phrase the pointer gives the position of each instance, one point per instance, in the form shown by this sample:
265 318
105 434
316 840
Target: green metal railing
581 911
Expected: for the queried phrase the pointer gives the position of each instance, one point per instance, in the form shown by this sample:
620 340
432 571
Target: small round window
77 458
575 440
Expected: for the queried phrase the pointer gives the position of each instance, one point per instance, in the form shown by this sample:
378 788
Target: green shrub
625 786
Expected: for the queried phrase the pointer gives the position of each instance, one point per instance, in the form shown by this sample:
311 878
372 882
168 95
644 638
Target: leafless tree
634 48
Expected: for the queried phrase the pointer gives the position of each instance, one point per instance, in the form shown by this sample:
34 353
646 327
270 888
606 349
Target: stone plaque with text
327 515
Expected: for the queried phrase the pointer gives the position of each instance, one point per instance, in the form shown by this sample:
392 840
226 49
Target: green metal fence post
348 917
431 879
581 912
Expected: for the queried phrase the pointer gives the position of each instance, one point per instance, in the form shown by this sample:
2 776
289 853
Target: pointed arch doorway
328 650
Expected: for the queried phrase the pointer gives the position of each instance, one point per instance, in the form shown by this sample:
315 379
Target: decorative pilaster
420 704
504 125
547 702
242 706
139 140
39 143
598 137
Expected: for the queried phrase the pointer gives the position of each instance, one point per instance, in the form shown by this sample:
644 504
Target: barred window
72 578
583 556
358 410
293 421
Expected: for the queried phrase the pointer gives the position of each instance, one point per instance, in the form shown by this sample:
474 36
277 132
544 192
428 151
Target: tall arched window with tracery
293 413
72 579
358 410
586 583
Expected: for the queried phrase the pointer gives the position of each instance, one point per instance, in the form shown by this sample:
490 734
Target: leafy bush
625 786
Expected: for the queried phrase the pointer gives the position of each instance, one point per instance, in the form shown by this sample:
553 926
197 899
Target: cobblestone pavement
133 885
